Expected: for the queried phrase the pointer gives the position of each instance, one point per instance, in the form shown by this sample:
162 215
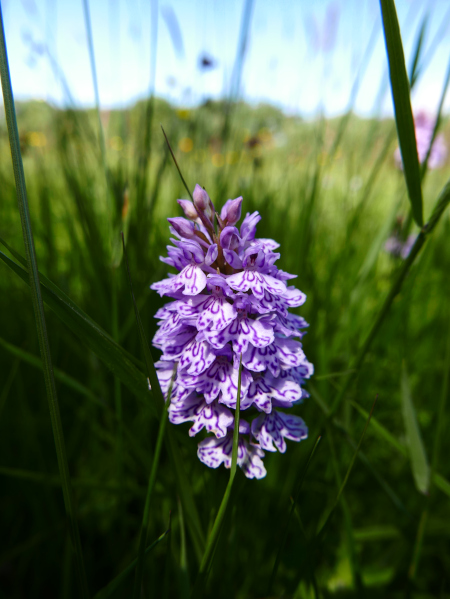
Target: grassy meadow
330 193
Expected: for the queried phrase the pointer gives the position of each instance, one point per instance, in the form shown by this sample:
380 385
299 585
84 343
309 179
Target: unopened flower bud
183 227
188 209
231 212
203 202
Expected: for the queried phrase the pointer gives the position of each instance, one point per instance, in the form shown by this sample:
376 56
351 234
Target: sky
303 56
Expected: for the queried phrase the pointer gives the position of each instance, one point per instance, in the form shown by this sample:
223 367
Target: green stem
38 307
434 464
217 526
426 230
146 517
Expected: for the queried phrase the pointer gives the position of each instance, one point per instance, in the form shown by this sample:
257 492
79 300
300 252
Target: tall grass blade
55 481
353 558
437 123
119 361
347 475
183 570
59 374
361 456
402 107
291 512
186 496
176 164
440 482
101 134
414 72
151 372
119 580
416 449
38 308
8 384
439 208
146 515
148 359
440 419
308 563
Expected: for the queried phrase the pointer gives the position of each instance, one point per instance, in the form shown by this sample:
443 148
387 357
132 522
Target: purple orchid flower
230 299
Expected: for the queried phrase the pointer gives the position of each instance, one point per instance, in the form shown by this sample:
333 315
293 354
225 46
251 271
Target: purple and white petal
216 315
214 417
248 226
197 356
271 430
232 258
294 297
211 254
214 452
193 278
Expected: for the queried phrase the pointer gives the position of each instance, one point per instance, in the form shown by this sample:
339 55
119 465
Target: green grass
329 192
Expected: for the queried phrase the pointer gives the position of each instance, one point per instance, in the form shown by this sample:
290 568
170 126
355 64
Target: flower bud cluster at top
230 300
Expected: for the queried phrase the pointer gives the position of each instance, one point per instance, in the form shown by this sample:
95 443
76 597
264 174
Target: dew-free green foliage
329 192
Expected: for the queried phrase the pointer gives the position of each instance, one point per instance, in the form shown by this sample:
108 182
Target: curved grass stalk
38 308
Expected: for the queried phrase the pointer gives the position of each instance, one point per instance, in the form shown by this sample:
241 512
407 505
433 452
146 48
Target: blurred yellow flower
183 113
186 144
37 139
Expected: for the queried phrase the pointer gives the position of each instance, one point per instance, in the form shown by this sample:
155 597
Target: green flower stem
217 526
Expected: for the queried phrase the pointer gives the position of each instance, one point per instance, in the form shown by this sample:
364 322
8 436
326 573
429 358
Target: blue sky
302 55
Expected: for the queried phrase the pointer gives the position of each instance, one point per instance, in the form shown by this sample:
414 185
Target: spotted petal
214 452
197 356
217 313
193 278
214 417
271 430
242 332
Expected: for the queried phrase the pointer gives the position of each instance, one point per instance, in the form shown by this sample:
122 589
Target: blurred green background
328 190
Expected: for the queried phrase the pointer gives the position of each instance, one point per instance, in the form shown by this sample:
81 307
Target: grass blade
118 581
347 518
55 481
183 573
291 512
308 563
38 308
347 475
159 441
182 480
361 456
416 449
414 73
176 164
442 405
439 208
402 107
186 496
59 374
148 359
437 479
119 361
7 387
437 122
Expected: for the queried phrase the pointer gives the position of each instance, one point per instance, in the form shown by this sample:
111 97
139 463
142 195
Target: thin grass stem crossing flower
229 298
